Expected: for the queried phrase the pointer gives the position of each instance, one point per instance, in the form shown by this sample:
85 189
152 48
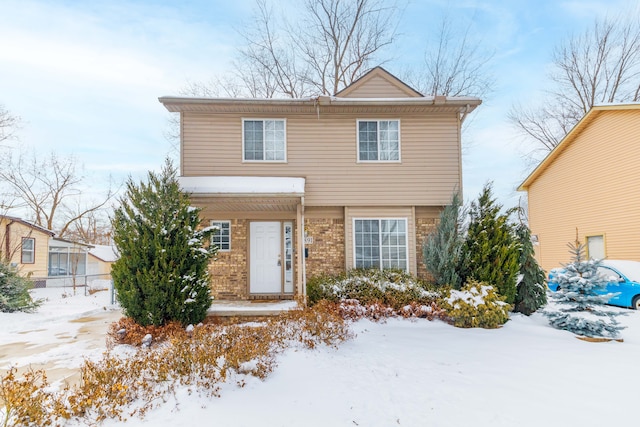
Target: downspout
304 259
7 241
460 186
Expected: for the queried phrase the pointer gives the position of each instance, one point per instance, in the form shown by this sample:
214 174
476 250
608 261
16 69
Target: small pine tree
581 309
491 251
162 272
531 290
14 291
442 247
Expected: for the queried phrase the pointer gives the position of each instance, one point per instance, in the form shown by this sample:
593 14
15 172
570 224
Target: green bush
394 288
162 273
477 305
14 291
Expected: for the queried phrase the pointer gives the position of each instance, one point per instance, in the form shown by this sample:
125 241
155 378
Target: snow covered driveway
63 332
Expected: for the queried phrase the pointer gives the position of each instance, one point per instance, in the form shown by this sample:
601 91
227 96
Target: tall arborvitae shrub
531 290
580 302
14 291
162 272
442 247
491 252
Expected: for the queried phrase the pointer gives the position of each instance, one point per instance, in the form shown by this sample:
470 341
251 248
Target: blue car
625 280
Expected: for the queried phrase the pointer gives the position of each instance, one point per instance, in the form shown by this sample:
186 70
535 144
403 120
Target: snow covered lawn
413 373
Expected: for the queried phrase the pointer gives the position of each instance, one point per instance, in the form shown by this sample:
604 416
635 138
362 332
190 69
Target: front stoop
249 309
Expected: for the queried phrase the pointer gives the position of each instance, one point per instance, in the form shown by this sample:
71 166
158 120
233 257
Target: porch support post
301 271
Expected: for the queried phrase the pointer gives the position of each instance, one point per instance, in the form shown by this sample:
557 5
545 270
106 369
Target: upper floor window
222 237
264 140
379 140
28 250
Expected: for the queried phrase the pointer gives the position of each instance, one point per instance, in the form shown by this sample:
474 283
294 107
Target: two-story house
302 187
584 189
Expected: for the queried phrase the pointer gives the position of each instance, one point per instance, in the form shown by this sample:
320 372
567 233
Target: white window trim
353 234
358 141
220 221
263 119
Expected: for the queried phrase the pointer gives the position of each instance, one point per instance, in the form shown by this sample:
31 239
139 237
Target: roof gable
28 224
378 83
571 137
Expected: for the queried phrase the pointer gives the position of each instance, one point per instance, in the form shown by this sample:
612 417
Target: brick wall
326 253
229 271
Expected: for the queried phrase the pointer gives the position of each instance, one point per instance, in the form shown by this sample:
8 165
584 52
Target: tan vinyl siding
323 149
19 230
590 186
380 212
378 87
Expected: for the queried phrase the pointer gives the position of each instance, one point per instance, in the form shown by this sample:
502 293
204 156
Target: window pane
27 256
367 243
389 140
368 140
394 244
222 238
253 140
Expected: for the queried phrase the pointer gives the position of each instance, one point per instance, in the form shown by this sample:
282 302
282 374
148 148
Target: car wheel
635 304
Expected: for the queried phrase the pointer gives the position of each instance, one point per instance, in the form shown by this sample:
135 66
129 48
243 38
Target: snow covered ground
398 373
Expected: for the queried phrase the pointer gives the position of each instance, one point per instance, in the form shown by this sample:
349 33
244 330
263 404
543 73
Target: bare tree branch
333 43
601 65
9 124
48 188
456 64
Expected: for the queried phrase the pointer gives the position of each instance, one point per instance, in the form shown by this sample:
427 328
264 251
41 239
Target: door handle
279 261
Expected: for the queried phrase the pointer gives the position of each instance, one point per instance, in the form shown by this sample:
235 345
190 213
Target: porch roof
242 186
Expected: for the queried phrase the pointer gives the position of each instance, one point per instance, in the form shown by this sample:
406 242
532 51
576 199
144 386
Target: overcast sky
85 76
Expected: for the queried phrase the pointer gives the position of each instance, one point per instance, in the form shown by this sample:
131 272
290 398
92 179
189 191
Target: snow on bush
477 305
390 287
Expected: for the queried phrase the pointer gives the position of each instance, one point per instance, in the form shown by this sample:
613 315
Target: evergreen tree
491 252
531 290
581 309
442 247
14 291
162 272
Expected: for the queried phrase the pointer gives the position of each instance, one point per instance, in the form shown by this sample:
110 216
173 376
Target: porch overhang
245 193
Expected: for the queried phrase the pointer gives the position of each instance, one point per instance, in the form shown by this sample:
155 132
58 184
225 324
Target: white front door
265 258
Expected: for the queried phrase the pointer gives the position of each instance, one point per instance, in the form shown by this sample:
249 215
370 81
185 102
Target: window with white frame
264 140
64 261
378 140
380 243
222 237
28 255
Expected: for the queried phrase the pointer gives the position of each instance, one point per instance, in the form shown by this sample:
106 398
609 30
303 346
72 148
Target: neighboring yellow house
101 258
24 245
587 184
301 187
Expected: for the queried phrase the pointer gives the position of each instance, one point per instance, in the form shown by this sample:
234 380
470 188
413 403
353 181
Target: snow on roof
242 185
105 253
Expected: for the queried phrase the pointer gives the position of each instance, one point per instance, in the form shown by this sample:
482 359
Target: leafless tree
601 65
50 189
332 43
456 63
93 228
8 124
